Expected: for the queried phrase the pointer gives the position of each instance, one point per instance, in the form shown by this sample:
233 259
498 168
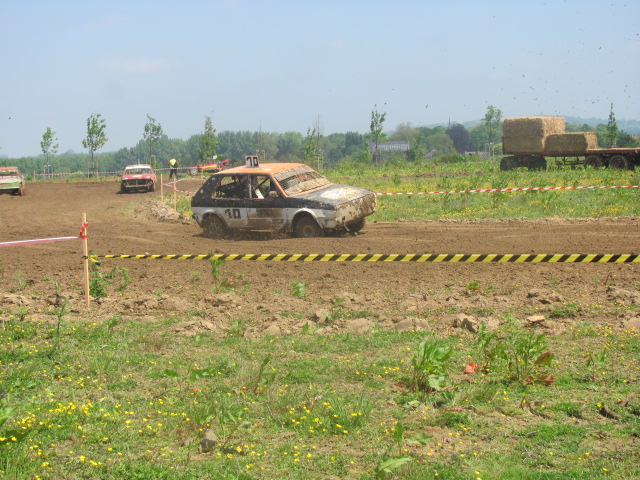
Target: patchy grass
135 400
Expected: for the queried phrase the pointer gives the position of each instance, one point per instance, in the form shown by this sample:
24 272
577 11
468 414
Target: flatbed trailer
617 158
529 141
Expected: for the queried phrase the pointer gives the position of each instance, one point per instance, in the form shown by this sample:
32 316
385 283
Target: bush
452 158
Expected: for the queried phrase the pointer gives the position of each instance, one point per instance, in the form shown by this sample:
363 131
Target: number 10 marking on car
253 161
233 213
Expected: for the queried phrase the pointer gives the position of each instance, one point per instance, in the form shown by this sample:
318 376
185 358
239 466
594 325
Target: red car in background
209 167
138 177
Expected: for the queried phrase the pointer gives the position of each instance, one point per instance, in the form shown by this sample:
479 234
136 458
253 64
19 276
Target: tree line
317 149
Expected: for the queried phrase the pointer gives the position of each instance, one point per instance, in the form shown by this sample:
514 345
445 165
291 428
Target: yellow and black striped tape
393 257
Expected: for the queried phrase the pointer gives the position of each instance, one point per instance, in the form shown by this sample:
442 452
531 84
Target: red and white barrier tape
169 184
515 189
17 243
73 173
35 242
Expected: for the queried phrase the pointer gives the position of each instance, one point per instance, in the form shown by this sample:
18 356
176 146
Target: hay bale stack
527 134
571 142
533 126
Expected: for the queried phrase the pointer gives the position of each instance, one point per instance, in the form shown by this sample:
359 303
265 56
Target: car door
265 208
226 196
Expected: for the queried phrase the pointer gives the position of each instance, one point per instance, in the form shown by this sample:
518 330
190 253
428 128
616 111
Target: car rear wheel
307 227
213 227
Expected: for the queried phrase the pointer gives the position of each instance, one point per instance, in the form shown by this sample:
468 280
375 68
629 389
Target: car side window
262 186
231 186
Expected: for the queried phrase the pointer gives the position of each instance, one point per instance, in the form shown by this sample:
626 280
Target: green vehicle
11 181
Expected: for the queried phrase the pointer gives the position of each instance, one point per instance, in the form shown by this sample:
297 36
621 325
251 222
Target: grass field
126 400
486 175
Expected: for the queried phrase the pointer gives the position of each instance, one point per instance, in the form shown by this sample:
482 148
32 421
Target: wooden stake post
175 196
85 251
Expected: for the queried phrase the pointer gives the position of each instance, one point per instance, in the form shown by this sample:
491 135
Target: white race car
279 197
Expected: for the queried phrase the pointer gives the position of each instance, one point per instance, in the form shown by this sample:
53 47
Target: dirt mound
153 209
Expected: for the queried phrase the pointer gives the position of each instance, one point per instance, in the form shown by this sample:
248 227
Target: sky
285 65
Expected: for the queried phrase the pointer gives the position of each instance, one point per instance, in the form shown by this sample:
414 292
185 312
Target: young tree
96 138
208 140
290 146
48 147
440 142
404 132
376 135
417 150
152 133
611 132
492 120
312 147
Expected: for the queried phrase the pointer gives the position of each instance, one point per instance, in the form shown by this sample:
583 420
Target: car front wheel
357 226
307 227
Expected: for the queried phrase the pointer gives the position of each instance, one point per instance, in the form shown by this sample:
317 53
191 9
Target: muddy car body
11 181
279 197
139 177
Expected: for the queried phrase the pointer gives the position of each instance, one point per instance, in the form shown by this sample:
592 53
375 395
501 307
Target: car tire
213 227
152 187
307 227
357 226
122 188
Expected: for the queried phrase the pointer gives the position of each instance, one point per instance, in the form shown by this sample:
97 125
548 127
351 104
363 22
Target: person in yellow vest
173 168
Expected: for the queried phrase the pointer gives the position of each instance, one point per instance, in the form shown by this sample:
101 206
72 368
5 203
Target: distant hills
630 126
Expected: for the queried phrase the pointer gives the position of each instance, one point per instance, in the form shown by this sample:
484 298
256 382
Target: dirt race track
340 296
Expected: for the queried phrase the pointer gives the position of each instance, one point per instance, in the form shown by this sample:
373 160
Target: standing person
173 168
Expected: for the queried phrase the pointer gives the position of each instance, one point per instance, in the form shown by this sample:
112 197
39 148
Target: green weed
298 289
429 366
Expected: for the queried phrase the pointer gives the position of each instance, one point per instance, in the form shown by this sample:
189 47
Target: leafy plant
429 365
262 379
298 289
98 283
22 283
59 313
594 362
491 346
216 267
124 280
473 286
237 328
389 463
111 324
223 285
526 355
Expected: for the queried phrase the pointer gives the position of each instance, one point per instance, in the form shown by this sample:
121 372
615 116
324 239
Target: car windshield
9 173
301 179
137 171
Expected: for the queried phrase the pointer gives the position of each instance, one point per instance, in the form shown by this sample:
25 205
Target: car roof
138 165
9 169
263 169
